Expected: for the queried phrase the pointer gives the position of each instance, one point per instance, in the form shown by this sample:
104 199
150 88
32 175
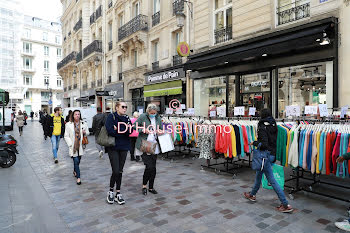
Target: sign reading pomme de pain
165 76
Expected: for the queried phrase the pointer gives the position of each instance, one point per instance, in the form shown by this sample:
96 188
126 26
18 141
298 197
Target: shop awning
86 99
163 89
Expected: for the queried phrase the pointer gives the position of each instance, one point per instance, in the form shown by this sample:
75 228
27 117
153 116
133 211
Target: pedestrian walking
54 128
68 116
20 122
32 115
76 129
267 137
25 117
98 121
42 120
133 138
152 123
117 125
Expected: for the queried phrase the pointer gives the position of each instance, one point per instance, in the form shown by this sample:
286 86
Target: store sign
116 90
165 76
258 83
239 111
183 49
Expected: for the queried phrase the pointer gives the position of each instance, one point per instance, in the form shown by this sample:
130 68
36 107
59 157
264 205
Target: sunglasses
124 107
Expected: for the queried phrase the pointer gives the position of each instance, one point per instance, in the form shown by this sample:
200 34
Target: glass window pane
219 19
229 17
219 4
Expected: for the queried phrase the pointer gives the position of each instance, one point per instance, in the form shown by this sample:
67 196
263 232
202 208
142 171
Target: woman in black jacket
118 125
267 138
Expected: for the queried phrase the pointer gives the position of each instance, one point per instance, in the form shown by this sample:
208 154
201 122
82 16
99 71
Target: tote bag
278 173
104 139
166 143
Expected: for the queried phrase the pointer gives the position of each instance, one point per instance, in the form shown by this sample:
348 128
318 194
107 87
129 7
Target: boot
132 157
137 159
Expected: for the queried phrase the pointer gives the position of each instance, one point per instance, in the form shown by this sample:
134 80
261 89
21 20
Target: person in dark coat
98 121
68 116
118 125
267 138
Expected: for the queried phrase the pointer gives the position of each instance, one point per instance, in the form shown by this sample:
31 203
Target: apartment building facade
41 50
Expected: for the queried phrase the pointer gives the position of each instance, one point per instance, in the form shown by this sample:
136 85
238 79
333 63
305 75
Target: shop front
87 98
163 87
111 94
297 66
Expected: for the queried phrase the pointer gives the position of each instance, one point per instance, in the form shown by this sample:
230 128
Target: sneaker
250 197
110 197
283 209
101 154
119 199
345 225
152 191
56 160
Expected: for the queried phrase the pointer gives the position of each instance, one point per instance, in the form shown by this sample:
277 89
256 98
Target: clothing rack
185 152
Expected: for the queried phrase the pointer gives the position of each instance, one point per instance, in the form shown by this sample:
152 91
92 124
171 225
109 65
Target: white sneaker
110 197
101 154
119 199
345 225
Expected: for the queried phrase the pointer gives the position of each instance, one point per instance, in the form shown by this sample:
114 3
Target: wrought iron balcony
75 86
177 60
155 65
69 88
156 19
93 84
110 4
223 34
293 12
69 33
99 82
84 86
92 18
109 80
120 76
79 57
139 23
66 60
178 6
110 45
78 25
98 12
95 46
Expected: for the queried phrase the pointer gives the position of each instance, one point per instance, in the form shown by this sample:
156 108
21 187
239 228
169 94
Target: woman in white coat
76 129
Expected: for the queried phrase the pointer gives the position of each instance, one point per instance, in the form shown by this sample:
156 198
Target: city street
40 196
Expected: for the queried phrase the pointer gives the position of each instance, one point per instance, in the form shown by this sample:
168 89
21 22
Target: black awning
302 38
86 98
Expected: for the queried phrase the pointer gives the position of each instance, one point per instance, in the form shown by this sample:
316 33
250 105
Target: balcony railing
75 86
110 45
92 18
109 80
79 57
178 6
84 86
155 65
69 33
177 60
110 4
223 34
139 23
99 82
156 19
95 46
93 84
66 60
98 12
120 76
293 12
78 25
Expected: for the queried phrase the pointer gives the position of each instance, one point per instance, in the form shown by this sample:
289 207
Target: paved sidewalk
189 199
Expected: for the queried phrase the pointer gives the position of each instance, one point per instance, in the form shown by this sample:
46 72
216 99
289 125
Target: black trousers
117 159
132 150
150 172
20 128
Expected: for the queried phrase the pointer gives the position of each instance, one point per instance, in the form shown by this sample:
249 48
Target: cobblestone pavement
189 199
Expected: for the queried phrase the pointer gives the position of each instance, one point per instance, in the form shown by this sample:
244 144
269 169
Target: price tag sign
239 111
252 111
183 106
169 111
323 110
344 110
141 110
190 111
221 111
292 111
212 114
179 111
311 110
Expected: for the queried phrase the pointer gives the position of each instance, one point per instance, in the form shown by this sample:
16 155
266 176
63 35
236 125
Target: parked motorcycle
8 150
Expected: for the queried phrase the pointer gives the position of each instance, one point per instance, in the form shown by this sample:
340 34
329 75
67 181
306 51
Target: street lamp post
50 96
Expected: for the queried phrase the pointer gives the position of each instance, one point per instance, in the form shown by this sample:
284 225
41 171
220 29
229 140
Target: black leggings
20 128
150 171
117 159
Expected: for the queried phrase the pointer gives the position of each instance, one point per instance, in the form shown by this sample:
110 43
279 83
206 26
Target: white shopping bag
166 143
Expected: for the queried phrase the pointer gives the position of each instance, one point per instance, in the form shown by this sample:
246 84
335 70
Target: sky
45 9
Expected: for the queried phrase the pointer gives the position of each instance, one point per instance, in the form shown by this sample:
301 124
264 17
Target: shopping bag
278 173
166 143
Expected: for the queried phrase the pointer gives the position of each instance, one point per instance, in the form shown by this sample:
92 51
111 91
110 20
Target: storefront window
255 91
137 99
310 84
209 94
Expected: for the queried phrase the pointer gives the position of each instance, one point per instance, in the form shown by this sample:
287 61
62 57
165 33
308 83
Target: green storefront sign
163 89
4 97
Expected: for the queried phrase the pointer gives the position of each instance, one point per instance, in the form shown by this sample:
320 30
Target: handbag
104 139
278 173
148 147
85 140
260 158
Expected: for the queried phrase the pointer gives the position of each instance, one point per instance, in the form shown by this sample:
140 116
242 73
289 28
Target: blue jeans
76 161
271 179
55 141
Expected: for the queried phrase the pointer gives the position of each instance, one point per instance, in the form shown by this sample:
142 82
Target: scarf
77 137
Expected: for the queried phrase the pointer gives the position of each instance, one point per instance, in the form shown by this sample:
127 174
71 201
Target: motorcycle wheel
10 161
